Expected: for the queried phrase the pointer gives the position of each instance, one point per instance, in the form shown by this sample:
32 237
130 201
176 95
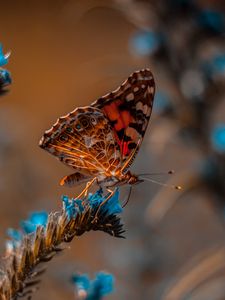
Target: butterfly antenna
176 187
128 197
170 172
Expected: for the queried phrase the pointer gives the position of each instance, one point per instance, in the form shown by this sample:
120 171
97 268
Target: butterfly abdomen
74 179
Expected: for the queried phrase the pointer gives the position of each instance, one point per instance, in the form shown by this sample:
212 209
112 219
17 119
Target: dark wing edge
136 96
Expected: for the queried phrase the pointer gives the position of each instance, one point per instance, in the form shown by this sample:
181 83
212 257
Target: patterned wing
128 110
84 140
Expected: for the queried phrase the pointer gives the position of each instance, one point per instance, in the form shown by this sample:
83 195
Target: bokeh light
144 42
218 137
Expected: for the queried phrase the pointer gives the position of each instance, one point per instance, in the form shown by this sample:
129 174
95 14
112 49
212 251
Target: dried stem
19 277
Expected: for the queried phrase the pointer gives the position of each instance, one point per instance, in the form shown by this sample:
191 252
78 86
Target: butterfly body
101 140
118 179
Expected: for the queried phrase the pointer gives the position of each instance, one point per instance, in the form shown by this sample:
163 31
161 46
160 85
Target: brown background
66 54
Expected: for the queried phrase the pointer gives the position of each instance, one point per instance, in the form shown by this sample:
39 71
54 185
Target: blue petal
113 205
14 234
39 218
96 198
3 59
96 288
28 227
104 282
82 282
79 205
35 219
72 206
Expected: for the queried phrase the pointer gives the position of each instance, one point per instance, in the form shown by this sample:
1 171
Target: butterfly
100 141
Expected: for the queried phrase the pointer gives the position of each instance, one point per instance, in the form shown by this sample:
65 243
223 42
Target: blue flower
218 138
5 77
72 206
14 234
16 237
94 289
82 282
112 205
35 219
3 58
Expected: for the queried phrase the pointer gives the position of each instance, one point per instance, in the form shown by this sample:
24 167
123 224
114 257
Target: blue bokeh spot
218 138
212 19
161 102
215 66
144 42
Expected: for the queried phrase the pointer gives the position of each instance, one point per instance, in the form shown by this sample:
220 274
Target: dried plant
27 250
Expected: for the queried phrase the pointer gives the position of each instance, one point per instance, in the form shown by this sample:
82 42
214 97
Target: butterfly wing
84 140
128 110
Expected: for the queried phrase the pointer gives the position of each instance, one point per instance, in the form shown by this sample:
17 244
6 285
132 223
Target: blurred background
68 53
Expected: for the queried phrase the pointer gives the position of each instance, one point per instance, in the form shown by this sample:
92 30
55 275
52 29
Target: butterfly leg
85 190
111 193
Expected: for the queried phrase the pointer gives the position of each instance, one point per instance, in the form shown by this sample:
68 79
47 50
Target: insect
100 141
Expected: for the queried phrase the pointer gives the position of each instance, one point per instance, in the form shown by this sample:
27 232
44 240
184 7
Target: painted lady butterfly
100 141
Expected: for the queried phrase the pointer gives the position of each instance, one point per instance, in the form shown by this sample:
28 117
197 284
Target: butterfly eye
93 121
63 138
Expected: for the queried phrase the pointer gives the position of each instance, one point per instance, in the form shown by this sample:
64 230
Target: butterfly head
132 179
120 179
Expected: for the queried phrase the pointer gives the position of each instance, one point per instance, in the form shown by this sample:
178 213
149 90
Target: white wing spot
130 97
139 106
143 86
151 90
88 141
109 137
143 108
